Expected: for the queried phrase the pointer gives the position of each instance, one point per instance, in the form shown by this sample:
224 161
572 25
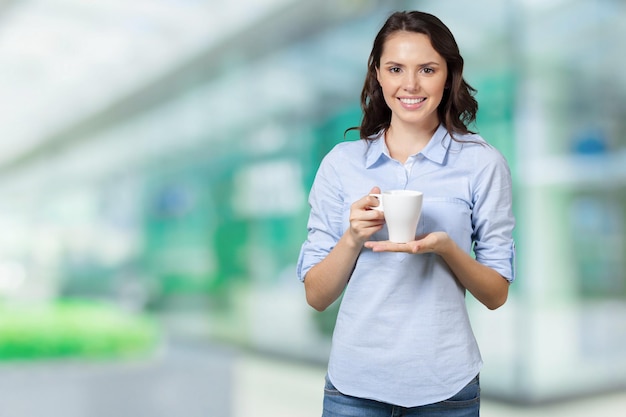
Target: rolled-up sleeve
492 217
325 220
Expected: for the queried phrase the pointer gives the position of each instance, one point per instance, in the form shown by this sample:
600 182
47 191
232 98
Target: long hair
458 106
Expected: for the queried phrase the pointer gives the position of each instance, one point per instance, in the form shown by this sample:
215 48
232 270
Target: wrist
446 245
351 241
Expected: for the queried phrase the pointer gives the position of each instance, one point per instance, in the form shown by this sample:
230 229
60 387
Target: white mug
402 210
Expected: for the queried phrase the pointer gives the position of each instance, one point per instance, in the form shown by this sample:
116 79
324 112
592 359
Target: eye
394 70
428 70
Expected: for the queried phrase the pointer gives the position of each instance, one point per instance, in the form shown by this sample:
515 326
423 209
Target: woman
403 343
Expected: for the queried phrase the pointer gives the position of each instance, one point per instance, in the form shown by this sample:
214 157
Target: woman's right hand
325 281
364 221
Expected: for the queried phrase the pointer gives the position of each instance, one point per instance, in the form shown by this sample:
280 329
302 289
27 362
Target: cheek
384 88
387 94
438 89
388 86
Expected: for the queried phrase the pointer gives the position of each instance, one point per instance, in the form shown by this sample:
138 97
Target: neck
404 141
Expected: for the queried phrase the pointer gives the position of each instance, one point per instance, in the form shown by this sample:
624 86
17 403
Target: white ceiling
61 60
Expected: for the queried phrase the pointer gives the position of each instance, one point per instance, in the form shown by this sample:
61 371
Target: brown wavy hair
458 106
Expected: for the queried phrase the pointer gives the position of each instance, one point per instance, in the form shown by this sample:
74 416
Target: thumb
375 190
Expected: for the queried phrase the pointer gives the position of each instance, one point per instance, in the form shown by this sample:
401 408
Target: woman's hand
364 221
487 285
436 242
325 282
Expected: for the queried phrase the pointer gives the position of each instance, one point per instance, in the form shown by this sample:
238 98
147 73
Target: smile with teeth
412 100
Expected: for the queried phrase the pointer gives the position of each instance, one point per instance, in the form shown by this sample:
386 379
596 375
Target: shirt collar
436 149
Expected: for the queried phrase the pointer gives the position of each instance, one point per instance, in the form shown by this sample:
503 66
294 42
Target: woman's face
413 78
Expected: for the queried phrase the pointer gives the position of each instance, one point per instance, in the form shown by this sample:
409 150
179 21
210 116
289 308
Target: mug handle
379 207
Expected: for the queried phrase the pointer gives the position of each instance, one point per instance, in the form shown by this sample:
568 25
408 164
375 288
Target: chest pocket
447 214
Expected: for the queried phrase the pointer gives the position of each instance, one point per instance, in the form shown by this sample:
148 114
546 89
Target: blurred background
155 160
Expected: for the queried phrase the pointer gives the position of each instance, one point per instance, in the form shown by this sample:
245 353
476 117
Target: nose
411 82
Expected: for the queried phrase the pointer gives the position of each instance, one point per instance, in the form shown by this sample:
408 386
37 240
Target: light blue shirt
403 334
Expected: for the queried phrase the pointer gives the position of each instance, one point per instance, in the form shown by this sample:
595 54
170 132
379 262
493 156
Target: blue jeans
466 403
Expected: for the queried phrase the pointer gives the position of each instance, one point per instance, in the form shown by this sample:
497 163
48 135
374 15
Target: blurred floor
201 380
268 387
179 381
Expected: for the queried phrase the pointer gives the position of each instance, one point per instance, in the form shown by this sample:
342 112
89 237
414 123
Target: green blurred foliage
73 329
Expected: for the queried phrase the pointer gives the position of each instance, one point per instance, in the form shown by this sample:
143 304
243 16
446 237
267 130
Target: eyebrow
426 64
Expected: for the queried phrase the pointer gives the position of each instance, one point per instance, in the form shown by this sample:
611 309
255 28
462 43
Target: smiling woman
403 340
413 77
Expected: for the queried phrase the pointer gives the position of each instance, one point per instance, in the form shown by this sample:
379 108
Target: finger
387 246
367 219
365 203
366 229
367 215
382 246
373 202
374 215
374 190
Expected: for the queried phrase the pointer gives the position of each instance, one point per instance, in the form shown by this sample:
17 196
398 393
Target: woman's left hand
432 242
485 283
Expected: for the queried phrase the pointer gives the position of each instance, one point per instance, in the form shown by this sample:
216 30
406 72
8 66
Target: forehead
403 45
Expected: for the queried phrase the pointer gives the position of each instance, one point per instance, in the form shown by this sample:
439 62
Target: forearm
483 282
325 282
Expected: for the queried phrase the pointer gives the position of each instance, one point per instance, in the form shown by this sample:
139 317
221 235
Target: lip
411 102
